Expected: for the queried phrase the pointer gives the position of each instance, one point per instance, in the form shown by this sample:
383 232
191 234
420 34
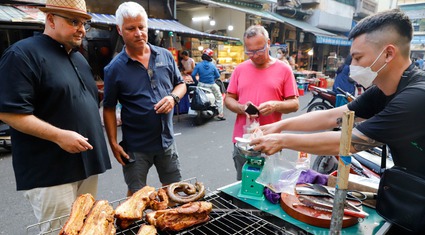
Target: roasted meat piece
132 209
159 200
182 217
100 220
147 230
80 208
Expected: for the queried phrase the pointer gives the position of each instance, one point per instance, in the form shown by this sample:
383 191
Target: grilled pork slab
132 209
80 208
182 217
147 230
100 220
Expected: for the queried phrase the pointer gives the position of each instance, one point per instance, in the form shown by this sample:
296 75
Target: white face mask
365 76
279 56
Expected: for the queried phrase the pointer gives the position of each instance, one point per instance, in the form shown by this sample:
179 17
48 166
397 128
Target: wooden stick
344 166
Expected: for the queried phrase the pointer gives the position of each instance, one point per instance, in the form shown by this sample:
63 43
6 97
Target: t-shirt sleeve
399 120
17 84
290 86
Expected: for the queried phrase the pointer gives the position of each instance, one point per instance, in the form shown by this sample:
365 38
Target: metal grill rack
225 218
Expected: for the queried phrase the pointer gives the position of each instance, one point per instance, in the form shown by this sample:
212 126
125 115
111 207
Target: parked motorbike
208 111
5 140
325 98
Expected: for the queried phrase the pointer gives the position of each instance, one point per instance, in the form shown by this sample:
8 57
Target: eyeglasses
74 22
257 52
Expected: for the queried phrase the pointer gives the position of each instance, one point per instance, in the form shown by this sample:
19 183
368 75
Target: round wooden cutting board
293 207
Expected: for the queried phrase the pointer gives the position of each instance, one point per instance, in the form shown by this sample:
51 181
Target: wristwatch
176 98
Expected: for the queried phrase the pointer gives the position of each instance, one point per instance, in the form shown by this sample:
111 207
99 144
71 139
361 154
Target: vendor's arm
288 105
312 121
69 141
110 121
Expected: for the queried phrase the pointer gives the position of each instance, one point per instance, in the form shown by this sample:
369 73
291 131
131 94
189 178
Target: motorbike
325 99
5 140
208 111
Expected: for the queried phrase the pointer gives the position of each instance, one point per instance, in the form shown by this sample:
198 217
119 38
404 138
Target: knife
315 203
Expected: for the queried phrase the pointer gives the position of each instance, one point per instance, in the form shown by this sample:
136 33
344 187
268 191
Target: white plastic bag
280 174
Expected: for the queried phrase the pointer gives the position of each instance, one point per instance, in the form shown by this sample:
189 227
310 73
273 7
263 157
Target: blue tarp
163 25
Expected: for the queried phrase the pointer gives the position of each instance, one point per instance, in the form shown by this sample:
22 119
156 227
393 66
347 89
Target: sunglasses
74 22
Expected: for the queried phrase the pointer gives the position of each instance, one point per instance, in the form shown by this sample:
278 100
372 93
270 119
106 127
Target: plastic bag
200 100
280 174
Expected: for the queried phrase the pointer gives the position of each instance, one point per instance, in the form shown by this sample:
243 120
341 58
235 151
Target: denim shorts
239 161
166 162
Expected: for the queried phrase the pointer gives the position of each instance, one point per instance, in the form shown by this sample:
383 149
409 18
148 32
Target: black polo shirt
39 77
397 120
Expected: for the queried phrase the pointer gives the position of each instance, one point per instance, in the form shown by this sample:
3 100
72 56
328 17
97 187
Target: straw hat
75 7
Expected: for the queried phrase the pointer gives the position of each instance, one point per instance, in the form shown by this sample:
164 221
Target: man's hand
165 105
119 153
268 144
73 142
267 108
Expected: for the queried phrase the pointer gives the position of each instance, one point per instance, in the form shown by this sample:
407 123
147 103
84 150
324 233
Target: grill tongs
323 205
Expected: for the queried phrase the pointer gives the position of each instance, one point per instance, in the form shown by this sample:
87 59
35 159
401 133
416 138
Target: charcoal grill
225 218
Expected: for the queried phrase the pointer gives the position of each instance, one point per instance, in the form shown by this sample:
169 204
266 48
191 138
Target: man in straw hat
49 97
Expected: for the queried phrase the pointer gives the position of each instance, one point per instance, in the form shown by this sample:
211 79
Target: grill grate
225 218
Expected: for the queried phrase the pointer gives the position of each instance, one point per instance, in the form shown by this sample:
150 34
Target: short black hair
394 19
185 53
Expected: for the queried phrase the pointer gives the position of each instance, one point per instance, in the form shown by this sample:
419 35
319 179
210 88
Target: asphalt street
204 151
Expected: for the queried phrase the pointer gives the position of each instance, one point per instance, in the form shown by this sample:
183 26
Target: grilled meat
182 217
132 209
159 200
100 220
147 230
191 192
80 208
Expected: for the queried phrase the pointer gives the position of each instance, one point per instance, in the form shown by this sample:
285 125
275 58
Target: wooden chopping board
309 215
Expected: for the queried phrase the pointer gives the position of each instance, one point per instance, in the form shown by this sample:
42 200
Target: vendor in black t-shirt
393 108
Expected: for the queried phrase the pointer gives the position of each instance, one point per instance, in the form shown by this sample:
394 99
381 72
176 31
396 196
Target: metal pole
344 165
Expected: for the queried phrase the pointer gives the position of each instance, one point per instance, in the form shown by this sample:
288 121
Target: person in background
420 63
49 97
281 55
343 80
262 81
188 63
390 108
292 60
146 81
208 73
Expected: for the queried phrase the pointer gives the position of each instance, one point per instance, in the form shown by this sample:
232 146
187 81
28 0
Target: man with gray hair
262 81
146 81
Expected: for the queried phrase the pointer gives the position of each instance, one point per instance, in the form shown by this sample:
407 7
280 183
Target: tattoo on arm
361 142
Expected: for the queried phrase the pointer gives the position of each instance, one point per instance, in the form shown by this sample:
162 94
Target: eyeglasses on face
259 52
74 22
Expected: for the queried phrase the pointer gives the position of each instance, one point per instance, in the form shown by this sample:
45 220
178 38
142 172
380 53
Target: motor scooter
5 140
207 112
325 99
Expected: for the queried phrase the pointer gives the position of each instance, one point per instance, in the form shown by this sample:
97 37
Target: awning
13 14
272 16
163 25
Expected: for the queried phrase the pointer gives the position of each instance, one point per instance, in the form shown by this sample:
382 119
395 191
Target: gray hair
254 30
129 10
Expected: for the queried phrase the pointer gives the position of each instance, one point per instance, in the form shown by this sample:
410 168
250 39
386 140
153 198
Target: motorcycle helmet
207 54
